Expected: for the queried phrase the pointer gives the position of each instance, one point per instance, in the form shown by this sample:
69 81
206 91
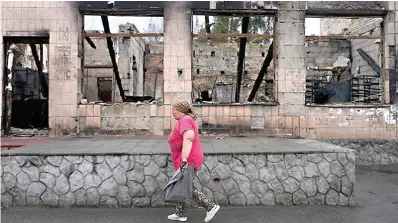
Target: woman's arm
188 138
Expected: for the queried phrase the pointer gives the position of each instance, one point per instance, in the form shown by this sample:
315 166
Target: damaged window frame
26 112
270 58
382 99
105 13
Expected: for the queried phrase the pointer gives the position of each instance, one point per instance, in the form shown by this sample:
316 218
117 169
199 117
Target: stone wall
371 151
138 180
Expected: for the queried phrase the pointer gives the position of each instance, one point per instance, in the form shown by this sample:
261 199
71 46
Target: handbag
180 187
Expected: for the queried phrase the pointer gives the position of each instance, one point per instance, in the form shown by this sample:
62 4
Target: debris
84 101
18 132
341 62
265 98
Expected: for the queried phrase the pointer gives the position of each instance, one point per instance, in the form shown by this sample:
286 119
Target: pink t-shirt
176 139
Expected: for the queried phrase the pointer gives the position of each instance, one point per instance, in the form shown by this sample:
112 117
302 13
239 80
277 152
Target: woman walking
186 150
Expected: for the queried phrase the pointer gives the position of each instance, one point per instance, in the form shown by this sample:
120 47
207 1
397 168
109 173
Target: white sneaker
210 214
175 217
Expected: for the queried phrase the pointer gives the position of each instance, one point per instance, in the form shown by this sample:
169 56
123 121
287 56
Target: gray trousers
200 198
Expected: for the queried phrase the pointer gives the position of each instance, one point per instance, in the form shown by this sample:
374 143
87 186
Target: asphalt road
376 195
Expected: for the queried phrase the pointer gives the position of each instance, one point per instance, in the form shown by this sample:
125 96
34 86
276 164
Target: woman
186 150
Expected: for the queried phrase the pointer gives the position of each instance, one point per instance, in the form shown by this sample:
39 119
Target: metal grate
321 89
366 89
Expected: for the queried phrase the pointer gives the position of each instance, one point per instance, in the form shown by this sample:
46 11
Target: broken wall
216 64
335 5
130 57
324 53
372 48
357 26
153 69
370 26
98 56
121 119
290 118
61 21
353 26
130 54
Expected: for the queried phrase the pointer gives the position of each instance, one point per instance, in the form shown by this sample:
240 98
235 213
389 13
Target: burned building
339 84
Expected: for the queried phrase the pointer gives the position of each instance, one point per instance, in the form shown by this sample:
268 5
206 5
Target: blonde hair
185 107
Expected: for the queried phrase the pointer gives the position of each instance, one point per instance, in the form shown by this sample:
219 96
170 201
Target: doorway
25 86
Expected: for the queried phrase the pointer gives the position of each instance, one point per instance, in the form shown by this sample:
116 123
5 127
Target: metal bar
122 35
112 54
329 37
98 66
263 71
43 84
233 35
369 60
234 12
241 57
124 12
41 62
345 12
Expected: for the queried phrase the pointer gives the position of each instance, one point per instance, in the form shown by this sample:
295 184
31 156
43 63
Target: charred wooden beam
41 62
124 12
90 42
235 12
41 38
122 35
39 65
370 61
98 66
8 90
316 12
341 37
233 35
112 54
207 24
241 57
263 71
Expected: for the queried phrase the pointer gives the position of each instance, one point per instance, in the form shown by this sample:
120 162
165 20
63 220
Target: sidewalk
376 192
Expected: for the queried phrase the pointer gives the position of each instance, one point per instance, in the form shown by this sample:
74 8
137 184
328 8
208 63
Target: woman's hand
184 164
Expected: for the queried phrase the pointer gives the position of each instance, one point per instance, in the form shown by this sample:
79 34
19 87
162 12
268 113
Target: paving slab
159 145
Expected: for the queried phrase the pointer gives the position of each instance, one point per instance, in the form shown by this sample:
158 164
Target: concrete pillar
65 68
177 52
62 22
390 52
290 58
